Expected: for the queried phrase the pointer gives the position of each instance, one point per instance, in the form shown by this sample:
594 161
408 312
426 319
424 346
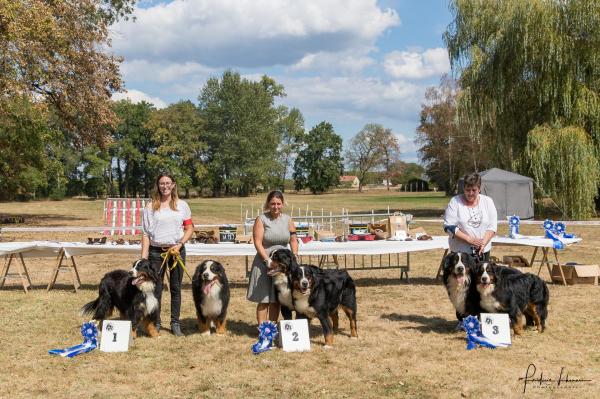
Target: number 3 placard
496 327
116 336
294 335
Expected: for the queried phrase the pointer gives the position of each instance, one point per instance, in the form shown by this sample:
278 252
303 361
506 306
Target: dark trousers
175 280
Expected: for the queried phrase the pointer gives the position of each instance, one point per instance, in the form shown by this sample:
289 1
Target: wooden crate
576 273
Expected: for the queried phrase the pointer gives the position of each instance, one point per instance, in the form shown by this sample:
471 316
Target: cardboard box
516 261
576 273
324 235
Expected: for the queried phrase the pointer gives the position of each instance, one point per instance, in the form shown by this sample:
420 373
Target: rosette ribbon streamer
557 233
474 336
267 331
89 331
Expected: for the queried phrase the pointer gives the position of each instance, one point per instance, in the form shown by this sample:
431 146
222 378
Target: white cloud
417 65
351 62
249 33
137 96
355 98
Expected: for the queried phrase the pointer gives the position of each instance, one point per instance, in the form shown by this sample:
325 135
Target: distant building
349 181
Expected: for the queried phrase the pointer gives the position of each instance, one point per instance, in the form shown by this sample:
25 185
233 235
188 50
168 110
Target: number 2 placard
496 327
116 336
294 335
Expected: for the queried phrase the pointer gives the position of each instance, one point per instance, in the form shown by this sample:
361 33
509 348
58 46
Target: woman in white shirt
471 219
166 227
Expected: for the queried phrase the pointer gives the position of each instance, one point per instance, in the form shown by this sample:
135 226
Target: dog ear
448 259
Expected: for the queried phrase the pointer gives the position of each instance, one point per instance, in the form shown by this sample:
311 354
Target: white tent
512 193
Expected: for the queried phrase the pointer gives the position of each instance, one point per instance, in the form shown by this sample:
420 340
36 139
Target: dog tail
89 308
100 308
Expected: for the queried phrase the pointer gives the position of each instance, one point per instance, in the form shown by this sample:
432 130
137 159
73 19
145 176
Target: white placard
294 336
116 336
496 327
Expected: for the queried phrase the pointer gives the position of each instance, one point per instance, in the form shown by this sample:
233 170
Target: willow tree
524 64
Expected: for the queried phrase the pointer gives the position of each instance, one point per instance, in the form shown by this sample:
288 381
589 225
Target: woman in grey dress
271 229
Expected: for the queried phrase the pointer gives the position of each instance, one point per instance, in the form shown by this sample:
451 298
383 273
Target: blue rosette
474 336
267 331
560 228
89 331
548 225
513 226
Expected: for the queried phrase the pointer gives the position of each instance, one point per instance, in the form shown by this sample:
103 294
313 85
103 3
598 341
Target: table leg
25 269
54 275
439 272
5 267
562 274
533 257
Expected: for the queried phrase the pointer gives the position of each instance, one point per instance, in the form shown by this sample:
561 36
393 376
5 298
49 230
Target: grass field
406 346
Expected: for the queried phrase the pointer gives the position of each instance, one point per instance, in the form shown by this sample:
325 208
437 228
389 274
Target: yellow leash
176 261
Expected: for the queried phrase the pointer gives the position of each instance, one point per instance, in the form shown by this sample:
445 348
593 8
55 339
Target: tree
557 149
178 132
240 132
53 53
290 128
527 64
390 153
365 152
448 149
132 146
319 162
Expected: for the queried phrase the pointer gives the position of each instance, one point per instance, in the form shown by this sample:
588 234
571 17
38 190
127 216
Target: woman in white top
471 219
166 226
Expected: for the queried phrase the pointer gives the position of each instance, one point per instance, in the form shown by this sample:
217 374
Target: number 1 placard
116 336
294 335
496 327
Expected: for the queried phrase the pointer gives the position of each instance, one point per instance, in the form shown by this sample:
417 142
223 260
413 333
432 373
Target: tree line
525 97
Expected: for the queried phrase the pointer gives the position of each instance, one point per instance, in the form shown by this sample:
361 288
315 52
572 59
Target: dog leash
176 260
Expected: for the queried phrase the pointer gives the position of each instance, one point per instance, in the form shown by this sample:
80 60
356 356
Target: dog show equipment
116 336
89 331
267 331
513 226
294 335
475 338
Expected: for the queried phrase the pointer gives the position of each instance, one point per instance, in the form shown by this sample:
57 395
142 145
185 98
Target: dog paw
205 333
327 347
354 338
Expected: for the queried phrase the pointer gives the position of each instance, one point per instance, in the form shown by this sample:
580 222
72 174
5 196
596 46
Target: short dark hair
472 179
271 195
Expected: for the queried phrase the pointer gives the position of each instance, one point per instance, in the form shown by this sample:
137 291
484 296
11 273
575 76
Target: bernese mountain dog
319 293
521 295
459 269
131 293
282 265
210 289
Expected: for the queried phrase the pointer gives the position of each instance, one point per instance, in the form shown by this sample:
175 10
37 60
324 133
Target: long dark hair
156 192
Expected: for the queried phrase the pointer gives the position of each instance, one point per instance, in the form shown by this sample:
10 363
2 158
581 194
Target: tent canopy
511 192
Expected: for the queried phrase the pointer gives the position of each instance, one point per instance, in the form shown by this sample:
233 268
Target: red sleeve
187 222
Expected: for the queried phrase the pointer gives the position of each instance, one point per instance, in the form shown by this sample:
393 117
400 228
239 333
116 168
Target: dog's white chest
151 303
488 302
301 304
458 294
284 293
212 304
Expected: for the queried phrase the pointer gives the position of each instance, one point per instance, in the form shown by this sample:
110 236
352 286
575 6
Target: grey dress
277 234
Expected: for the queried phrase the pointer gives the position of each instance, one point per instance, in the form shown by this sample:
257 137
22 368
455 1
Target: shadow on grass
50 220
381 281
427 324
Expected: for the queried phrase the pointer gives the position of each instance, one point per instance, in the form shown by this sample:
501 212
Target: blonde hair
156 193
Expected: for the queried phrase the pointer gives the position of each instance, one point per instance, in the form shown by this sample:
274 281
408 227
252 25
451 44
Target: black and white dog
283 263
317 293
521 295
210 289
459 269
131 293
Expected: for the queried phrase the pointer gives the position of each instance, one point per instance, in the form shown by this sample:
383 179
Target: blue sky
349 62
